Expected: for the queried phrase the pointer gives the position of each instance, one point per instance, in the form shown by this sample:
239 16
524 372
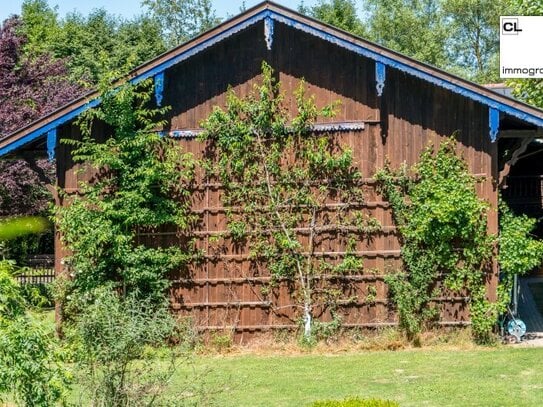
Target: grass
482 377
452 373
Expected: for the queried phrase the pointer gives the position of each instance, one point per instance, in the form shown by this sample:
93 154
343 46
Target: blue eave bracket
159 88
493 123
268 32
51 143
380 77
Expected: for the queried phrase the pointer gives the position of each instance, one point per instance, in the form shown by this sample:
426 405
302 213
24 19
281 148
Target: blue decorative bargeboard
270 18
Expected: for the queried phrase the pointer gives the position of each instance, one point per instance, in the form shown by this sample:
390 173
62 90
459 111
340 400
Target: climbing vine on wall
287 191
140 183
443 229
519 250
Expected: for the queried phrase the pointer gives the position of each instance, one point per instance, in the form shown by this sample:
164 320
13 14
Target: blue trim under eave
50 126
51 143
493 123
159 88
380 77
205 44
412 70
268 32
268 15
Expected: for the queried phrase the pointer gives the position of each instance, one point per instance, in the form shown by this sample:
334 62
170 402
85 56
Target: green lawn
488 377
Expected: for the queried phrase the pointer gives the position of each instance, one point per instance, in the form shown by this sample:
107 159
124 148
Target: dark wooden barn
392 107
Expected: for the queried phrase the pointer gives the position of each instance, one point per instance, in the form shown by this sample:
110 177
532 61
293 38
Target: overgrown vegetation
31 368
443 229
121 353
115 301
519 251
139 184
288 190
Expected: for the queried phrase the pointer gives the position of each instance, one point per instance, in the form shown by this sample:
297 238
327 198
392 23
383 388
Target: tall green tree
339 13
40 25
474 37
457 35
413 27
92 44
181 20
100 42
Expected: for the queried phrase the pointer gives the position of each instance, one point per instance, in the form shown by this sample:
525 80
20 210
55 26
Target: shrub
355 402
38 295
30 361
519 250
115 337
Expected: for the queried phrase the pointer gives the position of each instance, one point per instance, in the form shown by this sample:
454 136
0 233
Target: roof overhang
271 13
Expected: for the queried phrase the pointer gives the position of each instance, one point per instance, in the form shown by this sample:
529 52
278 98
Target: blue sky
129 8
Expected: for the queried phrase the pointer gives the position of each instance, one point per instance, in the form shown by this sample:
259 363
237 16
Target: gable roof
270 13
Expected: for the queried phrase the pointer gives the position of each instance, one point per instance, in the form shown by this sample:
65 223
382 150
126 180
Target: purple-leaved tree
30 86
22 189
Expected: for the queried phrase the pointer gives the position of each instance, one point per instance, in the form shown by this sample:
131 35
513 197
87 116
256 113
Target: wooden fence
40 271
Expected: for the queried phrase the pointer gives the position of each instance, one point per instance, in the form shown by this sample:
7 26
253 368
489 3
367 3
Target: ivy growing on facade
445 245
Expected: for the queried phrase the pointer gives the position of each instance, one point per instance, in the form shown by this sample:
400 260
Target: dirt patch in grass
387 339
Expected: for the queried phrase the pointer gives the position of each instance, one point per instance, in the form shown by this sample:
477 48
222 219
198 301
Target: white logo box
521 46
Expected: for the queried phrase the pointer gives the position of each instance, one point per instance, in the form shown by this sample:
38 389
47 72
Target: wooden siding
225 291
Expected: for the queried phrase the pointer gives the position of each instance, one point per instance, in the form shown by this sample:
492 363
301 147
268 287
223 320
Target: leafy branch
279 179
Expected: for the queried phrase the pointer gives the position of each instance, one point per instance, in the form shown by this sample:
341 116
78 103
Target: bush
38 295
115 338
30 364
31 369
355 402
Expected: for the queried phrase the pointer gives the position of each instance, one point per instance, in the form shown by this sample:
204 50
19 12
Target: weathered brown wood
227 290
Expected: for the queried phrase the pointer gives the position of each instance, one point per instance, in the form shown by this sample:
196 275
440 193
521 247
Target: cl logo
510 26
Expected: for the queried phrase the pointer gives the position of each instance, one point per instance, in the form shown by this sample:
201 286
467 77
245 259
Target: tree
279 180
91 45
181 19
474 36
40 26
413 27
100 42
30 87
140 183
458 35
339 13
21 187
